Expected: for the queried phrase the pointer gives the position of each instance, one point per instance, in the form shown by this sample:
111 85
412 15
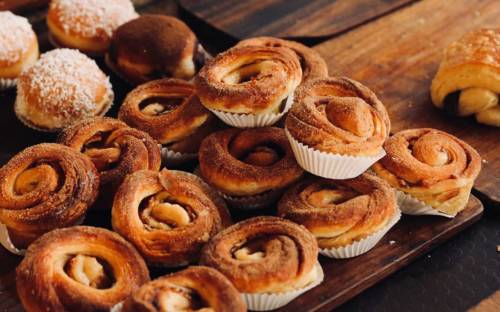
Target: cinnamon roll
312 64
171 113
342 212
249 86
80 268
432 167
337 127
115 148
168 216
250 168
18 48
196 288
265 256
155 46
44 187
468 80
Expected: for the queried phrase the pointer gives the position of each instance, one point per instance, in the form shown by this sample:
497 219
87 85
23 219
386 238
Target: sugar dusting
16 35
65 81
92 18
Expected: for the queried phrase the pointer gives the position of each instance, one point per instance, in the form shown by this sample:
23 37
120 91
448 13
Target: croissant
468 80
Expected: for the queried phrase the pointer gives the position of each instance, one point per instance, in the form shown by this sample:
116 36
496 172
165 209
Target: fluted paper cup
251 120
117 307
362 246
7 243
411 206
7 83
174 158
272 301
329 165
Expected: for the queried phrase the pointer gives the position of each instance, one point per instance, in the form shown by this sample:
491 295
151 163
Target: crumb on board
392 242
498 248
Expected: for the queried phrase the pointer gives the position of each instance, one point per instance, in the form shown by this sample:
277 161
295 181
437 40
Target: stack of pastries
272 132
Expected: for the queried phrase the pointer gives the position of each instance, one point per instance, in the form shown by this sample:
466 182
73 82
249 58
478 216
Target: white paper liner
362 246
411 206
117 307
250 120
170 157
328 165
7 83
272 301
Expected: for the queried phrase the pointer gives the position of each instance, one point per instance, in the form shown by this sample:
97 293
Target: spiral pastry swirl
196 288
115 148
169 111
168 216
249 80
432 166
79 268
339 212
468 80
312 64
248 162
340 116
263 254
44 187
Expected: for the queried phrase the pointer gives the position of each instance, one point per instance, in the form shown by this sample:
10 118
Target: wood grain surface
288 18
397 57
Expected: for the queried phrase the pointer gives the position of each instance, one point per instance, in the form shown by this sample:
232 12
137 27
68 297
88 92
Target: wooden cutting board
288 18
411 238
397 57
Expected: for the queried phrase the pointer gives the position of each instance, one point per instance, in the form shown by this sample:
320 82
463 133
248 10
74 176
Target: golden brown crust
44 187
249 79
340 212
169 111
248 162
115 148
152 47
196 288
338 115
312 64
168 216
44 282
429 161
280 254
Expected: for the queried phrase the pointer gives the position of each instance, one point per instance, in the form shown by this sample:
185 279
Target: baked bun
18 47
340 212
312 64
152 47
63 87
87 25
431 166
468 80
196 288
80 268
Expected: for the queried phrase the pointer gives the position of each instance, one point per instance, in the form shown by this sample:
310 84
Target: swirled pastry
249 80
79 268
339 116
115 148
44 187
468 79
196 288
153 47
264 255
87 25
340 212
168 216
312 64
170 112
248 162
431 166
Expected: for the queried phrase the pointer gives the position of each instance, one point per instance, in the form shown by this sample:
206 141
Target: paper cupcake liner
170 157
362 246
109 103
117 307
329 165
411 206
253 121
7 83
252 202
272 301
